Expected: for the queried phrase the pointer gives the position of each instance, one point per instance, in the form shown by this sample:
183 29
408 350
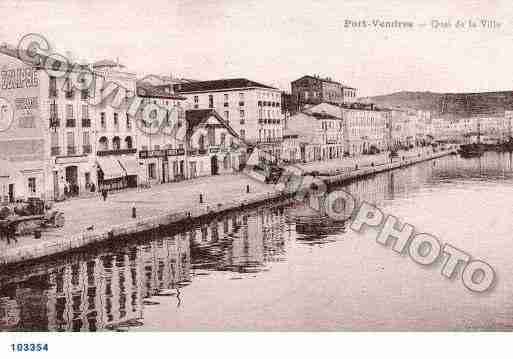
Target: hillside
449 105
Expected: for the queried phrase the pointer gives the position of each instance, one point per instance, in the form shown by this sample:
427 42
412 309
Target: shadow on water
106 287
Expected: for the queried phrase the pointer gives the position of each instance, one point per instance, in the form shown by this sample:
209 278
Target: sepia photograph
221 166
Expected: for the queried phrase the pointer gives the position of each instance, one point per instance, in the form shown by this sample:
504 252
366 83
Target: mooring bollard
134 211
201 198
247 188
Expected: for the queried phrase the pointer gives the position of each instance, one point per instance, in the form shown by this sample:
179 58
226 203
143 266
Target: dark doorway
72 180
182 169
56 193
11 193
214 166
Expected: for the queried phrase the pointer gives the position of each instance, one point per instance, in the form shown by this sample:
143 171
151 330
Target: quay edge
75 241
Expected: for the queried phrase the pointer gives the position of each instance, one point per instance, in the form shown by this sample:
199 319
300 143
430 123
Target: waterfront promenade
92 220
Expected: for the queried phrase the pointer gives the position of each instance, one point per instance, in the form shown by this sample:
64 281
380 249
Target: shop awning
110 168
130 165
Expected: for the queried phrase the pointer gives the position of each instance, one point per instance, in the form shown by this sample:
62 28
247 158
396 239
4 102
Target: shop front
163 166
111 176
72 176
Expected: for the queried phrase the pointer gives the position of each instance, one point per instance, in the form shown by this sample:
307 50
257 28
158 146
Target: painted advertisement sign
21 127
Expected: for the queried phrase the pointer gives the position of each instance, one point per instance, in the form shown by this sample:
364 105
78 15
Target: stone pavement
82 213
347 164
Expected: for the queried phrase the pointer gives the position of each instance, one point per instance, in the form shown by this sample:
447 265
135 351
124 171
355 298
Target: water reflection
108 287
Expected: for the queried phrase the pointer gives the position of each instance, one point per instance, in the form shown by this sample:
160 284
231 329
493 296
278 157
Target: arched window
104 144
128 142
116 143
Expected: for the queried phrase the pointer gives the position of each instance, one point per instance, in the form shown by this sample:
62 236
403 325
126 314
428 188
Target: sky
276 42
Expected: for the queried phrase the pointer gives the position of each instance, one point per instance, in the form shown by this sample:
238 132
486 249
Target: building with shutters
252 109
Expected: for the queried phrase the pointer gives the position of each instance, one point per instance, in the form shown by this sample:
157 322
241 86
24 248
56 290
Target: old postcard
215 165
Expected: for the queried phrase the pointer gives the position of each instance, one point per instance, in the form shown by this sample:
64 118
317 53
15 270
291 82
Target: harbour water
285 267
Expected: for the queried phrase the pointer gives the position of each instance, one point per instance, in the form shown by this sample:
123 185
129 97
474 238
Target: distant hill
449 105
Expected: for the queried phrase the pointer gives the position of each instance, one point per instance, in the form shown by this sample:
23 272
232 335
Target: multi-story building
365 129
315 90
161 147
46 131
401 130
115 130
252 109
212 145
321 129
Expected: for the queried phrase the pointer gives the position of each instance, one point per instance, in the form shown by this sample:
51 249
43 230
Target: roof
324 80
107 63
195 118
288 133
215 85
324 110
146 90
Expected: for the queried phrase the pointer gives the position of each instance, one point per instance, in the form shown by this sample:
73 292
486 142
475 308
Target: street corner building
251 108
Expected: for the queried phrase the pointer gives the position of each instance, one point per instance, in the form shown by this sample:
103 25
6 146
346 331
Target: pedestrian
104 194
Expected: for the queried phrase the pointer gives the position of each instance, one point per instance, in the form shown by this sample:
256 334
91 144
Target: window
210 101
103 122
53 110
69 111
242 134
32 185
196 99
53 87
223 139
227 115
86 144
225 97
128 142
211 137
116 143
152 173
85 111
242 116
86 139
128 122
71 143
241 96
54 143
116 120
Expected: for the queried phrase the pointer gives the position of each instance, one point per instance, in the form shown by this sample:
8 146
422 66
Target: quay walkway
92 220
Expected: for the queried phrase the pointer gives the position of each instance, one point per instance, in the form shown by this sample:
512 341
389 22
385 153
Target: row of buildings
61 138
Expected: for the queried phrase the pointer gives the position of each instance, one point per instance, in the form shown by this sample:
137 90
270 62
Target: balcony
126 151
71 150
86 149
71 122
54 122
86 122
55 151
